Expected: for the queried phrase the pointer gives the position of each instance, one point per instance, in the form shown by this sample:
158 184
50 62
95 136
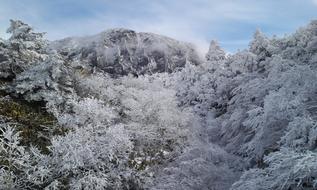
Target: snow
143 111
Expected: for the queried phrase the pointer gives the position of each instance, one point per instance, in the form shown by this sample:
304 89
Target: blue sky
231 22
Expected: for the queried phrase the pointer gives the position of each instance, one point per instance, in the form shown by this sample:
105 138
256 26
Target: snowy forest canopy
126 110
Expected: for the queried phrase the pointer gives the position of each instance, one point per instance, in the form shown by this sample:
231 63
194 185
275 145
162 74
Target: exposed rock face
123 51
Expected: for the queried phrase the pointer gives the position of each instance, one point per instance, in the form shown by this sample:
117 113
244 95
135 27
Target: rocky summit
122 51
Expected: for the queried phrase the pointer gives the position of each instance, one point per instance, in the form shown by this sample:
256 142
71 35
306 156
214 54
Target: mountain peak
120 51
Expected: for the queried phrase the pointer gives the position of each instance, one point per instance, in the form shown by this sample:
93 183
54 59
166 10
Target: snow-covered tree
21 50
286 169
20 166
13 158
261 46
215 53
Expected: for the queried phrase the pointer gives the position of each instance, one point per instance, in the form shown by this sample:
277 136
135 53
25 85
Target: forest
122 110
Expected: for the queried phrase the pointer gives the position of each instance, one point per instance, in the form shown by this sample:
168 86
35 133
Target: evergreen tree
21 50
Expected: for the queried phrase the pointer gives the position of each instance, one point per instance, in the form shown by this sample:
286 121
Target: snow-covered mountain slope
123 51
72 117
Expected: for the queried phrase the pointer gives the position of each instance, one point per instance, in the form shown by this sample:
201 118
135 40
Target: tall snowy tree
21 50
260 46
215 53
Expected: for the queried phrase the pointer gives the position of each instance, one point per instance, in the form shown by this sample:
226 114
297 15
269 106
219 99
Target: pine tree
215 53
21 50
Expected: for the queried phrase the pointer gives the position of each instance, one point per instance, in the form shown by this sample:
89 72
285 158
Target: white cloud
185 20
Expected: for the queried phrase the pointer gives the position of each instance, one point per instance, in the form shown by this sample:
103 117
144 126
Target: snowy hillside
125 110
123 51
